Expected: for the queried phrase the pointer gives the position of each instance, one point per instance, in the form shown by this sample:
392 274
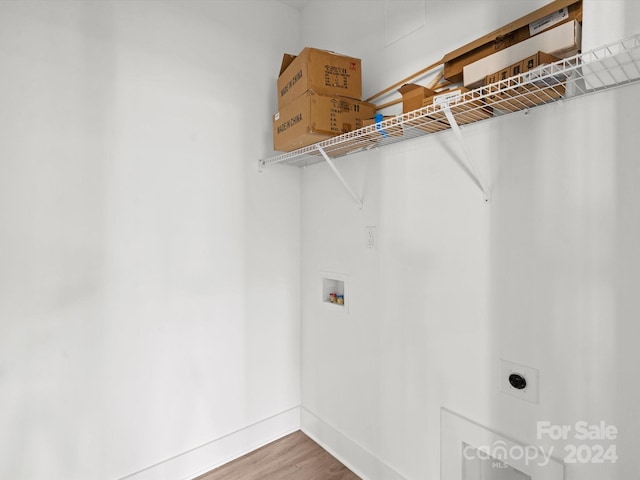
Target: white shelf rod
470 163
340 177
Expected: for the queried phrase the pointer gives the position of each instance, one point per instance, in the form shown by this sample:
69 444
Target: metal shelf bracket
340 177
473 169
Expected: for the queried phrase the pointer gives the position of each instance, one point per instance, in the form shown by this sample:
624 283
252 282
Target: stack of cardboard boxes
319 96
319 92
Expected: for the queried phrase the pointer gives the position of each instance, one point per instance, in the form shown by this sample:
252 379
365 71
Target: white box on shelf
560 41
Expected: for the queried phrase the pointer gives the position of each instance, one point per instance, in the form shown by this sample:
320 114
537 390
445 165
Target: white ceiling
299 4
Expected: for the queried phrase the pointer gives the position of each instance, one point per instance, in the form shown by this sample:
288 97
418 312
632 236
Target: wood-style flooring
294 457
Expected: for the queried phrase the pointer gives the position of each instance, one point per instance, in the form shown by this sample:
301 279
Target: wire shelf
607 67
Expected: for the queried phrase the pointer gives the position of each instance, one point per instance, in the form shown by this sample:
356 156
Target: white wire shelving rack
613 65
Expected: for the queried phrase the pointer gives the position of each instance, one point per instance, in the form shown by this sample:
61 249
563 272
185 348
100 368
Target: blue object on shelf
379 118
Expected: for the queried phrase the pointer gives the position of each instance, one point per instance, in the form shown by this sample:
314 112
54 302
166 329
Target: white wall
149 276
543 275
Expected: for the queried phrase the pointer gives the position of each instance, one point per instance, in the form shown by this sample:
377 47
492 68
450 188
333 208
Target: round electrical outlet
517 381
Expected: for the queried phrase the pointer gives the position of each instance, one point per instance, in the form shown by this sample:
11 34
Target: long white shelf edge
603 68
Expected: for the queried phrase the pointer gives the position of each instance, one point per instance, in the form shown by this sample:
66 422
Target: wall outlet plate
371 237
530 375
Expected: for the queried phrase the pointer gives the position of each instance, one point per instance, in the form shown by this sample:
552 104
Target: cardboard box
529 63
311 118
516 69
492 78
515 96
468 112
413 96
553 14
527 96
324 72
537 59
560 41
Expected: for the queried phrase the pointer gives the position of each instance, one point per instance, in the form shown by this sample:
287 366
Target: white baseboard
355 457
217 452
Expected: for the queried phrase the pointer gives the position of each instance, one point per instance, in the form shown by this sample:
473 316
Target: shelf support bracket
340 177
467 158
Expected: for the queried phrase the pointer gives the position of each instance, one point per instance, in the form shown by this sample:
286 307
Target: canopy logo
584 443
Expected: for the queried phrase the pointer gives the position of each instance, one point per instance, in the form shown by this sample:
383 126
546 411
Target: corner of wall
204 458
354 456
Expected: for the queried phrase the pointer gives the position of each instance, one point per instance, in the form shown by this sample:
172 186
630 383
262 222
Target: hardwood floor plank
294 457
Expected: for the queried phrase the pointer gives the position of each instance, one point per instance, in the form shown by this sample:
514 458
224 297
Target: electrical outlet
519 381
371 237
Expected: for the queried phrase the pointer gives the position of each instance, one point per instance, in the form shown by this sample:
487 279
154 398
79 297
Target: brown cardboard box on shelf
489 79
413 96
470 111
529 63
488 82
517 96
504 73
326 73
553 14
526 96
537 59
562 41
516 69
311 118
